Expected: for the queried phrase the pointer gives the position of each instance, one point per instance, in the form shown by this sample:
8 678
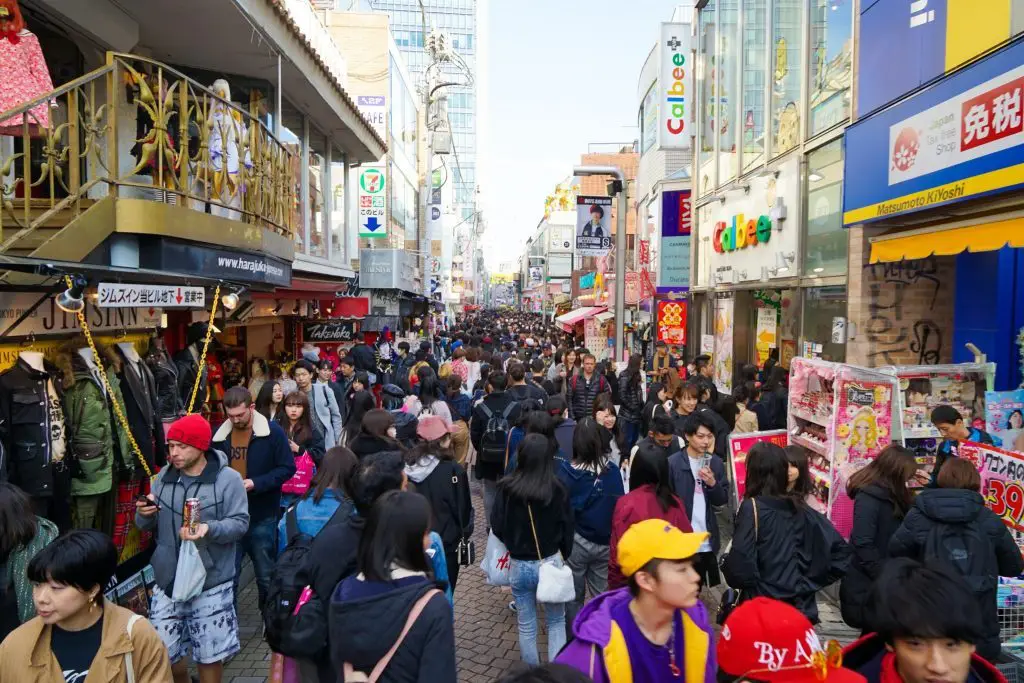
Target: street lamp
619 186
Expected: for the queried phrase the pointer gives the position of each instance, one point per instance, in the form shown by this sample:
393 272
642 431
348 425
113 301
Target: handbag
305 468
465 553
555 584
350 675
732 597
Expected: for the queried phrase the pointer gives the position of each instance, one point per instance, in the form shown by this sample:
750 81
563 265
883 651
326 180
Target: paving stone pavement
486 633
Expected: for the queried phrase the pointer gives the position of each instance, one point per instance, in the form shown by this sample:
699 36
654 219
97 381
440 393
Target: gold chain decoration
206 346
110 392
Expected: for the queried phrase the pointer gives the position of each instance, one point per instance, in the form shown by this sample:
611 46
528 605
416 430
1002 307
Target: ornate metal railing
139 128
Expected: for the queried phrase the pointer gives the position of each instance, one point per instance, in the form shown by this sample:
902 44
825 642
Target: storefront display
843 416
739 446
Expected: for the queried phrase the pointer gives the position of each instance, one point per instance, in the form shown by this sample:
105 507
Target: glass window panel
821 306
317 227
786 106
337 208
755 67
831 62
826 243
706 47
726 92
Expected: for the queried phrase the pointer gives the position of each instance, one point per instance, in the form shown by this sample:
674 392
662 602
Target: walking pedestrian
799 482
594 484
269 400
632 406
533 517
584 388
262 456
22 535
78 635
495 414
206 626
359 405
325 376
951 426
746 419
298 427
328 493
324 409
377 434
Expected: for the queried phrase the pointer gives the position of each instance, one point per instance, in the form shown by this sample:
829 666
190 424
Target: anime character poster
722 357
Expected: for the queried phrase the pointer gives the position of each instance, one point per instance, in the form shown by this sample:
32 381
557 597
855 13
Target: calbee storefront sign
675 78
752 235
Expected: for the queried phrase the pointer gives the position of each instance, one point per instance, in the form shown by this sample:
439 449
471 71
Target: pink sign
740 445
1002 476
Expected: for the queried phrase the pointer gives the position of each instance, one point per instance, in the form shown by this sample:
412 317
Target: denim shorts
205 626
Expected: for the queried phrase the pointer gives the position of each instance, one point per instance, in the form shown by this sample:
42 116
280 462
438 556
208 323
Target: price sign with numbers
1002 483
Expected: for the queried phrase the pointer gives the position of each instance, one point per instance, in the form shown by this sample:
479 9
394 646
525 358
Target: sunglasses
822 662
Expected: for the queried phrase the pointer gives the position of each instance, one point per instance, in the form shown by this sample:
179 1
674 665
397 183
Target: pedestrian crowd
603 493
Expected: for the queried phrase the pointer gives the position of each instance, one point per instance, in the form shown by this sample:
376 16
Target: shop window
824 311
786 74
755 68
706 47
317 227
831 63
648 120
337 208
726 91
826 242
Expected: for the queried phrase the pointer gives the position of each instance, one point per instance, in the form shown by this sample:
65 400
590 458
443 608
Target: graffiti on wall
901 327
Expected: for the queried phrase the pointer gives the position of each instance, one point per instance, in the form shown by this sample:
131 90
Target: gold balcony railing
138 128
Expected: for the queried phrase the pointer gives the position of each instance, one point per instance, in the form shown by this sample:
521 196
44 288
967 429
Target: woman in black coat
881 497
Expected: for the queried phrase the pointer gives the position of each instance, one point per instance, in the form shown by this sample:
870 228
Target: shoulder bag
555 584
732 597
129 665
466 550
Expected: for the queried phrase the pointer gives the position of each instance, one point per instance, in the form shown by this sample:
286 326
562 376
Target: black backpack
9 619
494 442
966 549
301 633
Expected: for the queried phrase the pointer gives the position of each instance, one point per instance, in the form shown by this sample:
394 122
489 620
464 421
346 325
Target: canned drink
190 517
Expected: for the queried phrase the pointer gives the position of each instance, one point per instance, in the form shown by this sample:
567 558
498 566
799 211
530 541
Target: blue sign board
674 253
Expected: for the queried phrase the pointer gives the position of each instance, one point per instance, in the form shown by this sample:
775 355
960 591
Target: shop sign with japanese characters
119 295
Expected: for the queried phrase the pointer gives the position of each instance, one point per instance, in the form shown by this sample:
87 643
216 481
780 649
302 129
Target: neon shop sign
739 232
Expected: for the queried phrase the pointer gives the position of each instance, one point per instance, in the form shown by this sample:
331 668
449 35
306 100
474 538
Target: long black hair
429 387
266 397
767 471
796 457
588 445
650 466
362 402
393 535
17 520
533 479
633 371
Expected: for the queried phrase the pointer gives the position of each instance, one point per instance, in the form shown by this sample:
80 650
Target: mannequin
165 377
259 376
139 388
187 362
227 179
23 72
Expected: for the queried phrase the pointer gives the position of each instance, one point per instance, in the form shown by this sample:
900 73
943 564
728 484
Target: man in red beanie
195 471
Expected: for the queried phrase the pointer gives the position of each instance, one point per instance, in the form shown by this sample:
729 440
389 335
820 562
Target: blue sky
558 74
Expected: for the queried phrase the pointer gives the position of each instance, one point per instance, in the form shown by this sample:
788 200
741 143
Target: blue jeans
523 576
260 544
631 432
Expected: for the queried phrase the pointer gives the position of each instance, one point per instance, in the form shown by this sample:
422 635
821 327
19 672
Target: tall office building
458 19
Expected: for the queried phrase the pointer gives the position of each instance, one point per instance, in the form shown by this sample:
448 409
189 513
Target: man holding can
220 518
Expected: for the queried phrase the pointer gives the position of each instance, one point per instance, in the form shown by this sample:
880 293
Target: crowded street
494 341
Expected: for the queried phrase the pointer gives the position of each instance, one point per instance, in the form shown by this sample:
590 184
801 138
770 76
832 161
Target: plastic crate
1010 607
1014 671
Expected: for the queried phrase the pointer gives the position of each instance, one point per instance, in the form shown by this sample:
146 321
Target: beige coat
25 654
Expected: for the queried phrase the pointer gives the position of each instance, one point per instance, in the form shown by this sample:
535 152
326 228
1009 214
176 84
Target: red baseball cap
768 640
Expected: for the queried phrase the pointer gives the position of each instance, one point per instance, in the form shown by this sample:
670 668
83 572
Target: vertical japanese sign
767 337
373 202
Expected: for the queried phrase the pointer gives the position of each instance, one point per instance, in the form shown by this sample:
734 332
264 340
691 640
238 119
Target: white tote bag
554 583
190 575
496 562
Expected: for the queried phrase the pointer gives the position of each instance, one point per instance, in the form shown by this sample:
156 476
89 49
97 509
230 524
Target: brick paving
486 634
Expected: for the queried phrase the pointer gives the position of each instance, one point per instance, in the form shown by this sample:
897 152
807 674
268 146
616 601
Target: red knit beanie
191 430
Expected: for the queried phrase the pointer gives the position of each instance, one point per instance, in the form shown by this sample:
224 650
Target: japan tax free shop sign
962 138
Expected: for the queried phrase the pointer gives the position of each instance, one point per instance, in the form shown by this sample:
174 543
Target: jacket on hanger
94 437
165 377
188 367
28 427
139 388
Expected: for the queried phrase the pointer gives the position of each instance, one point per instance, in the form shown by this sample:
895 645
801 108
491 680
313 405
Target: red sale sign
1002 483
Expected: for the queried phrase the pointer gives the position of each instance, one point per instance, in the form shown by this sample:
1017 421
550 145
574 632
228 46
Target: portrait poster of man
593 226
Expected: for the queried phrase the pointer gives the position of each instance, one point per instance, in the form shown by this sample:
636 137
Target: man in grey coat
325 412
195 471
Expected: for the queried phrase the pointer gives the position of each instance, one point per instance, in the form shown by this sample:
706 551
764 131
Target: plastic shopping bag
496 562
305 468
554 582
283 669
190 576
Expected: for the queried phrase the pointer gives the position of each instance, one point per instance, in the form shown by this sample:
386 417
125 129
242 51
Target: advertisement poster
373 202
1004 418
592 337
593 226
672 322
674 85
676 228
740 445
722 356
787 353
767 334
1001 485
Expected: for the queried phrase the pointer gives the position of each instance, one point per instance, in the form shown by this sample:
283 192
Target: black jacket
332 557
875 520
632 406
139 387
187 368
26 431
364 445
165 377
522 392
683 485
775 406
510 522
426 655
794 553
719 426
496 402
365 358
445 485
580 395
958 507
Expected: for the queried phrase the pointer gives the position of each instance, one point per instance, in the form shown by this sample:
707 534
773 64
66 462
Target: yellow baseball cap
655 539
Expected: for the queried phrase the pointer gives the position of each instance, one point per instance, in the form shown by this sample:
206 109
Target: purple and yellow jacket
599 649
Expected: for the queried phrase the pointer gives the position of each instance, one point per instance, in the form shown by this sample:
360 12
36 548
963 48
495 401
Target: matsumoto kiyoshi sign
675 77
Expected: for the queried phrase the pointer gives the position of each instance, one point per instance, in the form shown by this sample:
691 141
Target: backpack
295 618
9 619
495 439
966 549
602 383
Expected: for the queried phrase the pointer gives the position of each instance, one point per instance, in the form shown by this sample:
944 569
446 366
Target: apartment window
317 167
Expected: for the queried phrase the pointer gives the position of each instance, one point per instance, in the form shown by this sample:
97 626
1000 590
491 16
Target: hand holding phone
146 506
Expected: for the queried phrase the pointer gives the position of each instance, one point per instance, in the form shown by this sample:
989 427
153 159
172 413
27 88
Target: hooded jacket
866 657
269 464
600 650
875 520
592 497
636 506
427 655
934 508
222 506
791 554
445 485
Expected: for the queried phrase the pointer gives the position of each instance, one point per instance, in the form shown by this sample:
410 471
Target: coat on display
138 386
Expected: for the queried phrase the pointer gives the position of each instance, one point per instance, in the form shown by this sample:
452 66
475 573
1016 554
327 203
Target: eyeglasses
822 662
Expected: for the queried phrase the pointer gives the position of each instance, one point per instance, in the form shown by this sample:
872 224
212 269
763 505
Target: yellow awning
973 238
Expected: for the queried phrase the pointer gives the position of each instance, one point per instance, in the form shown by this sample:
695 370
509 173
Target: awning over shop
578 315
948 242
604 317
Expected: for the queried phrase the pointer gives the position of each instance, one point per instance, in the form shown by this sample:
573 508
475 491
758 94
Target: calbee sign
675 76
